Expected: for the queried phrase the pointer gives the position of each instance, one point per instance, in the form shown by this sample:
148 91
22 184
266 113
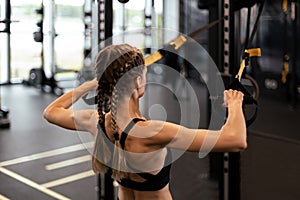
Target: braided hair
116 67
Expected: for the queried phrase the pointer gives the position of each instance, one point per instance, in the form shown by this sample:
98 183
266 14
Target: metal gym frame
225 49
224 55
102 11
102 17
6 21
6 15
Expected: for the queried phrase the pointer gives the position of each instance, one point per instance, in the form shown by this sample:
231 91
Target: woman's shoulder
156 131
157 125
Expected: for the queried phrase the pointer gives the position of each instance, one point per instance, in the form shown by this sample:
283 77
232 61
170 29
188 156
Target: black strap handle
249 99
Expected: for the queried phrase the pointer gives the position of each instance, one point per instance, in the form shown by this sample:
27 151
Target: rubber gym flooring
41 161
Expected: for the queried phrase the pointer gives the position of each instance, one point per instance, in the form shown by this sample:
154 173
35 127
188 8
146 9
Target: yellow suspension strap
285 68
236 84
175 44
285 5
249 99
156 56
286 57
172 46
247 54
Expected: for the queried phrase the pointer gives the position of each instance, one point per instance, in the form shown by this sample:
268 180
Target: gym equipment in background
4 120
277 71
45 77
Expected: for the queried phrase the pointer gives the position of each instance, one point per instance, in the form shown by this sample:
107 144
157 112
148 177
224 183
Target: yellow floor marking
68 179
69 162
33 184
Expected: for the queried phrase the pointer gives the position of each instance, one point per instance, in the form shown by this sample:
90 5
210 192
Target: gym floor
41 161
32 152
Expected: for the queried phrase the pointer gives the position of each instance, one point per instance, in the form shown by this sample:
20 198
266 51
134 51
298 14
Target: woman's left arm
58 111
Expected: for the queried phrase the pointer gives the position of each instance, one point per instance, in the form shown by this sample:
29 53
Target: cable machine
278 71
102 11
45 76
230 162
228 52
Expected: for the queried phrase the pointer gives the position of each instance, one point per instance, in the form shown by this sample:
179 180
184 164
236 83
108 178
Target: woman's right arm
231 137
60 114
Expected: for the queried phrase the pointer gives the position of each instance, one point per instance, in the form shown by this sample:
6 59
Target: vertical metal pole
232 53
4 121
172 10
234 157
6 60
95 29
101 24
105 23
226 58
293 84
49 36
226 36
87 33
123 20
148 22
42 43
216 50
52 35
104 26
108 21
8 18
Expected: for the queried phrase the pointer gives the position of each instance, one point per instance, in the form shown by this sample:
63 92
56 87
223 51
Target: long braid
114 104
100 146
111 65
101 103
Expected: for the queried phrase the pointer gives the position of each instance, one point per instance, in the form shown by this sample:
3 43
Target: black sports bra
152 182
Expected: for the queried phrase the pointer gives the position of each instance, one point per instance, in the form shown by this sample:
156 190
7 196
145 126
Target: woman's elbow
238 143
236 137
48 114
235 141
242 145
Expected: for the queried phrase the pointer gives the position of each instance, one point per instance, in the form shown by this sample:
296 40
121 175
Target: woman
137 149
